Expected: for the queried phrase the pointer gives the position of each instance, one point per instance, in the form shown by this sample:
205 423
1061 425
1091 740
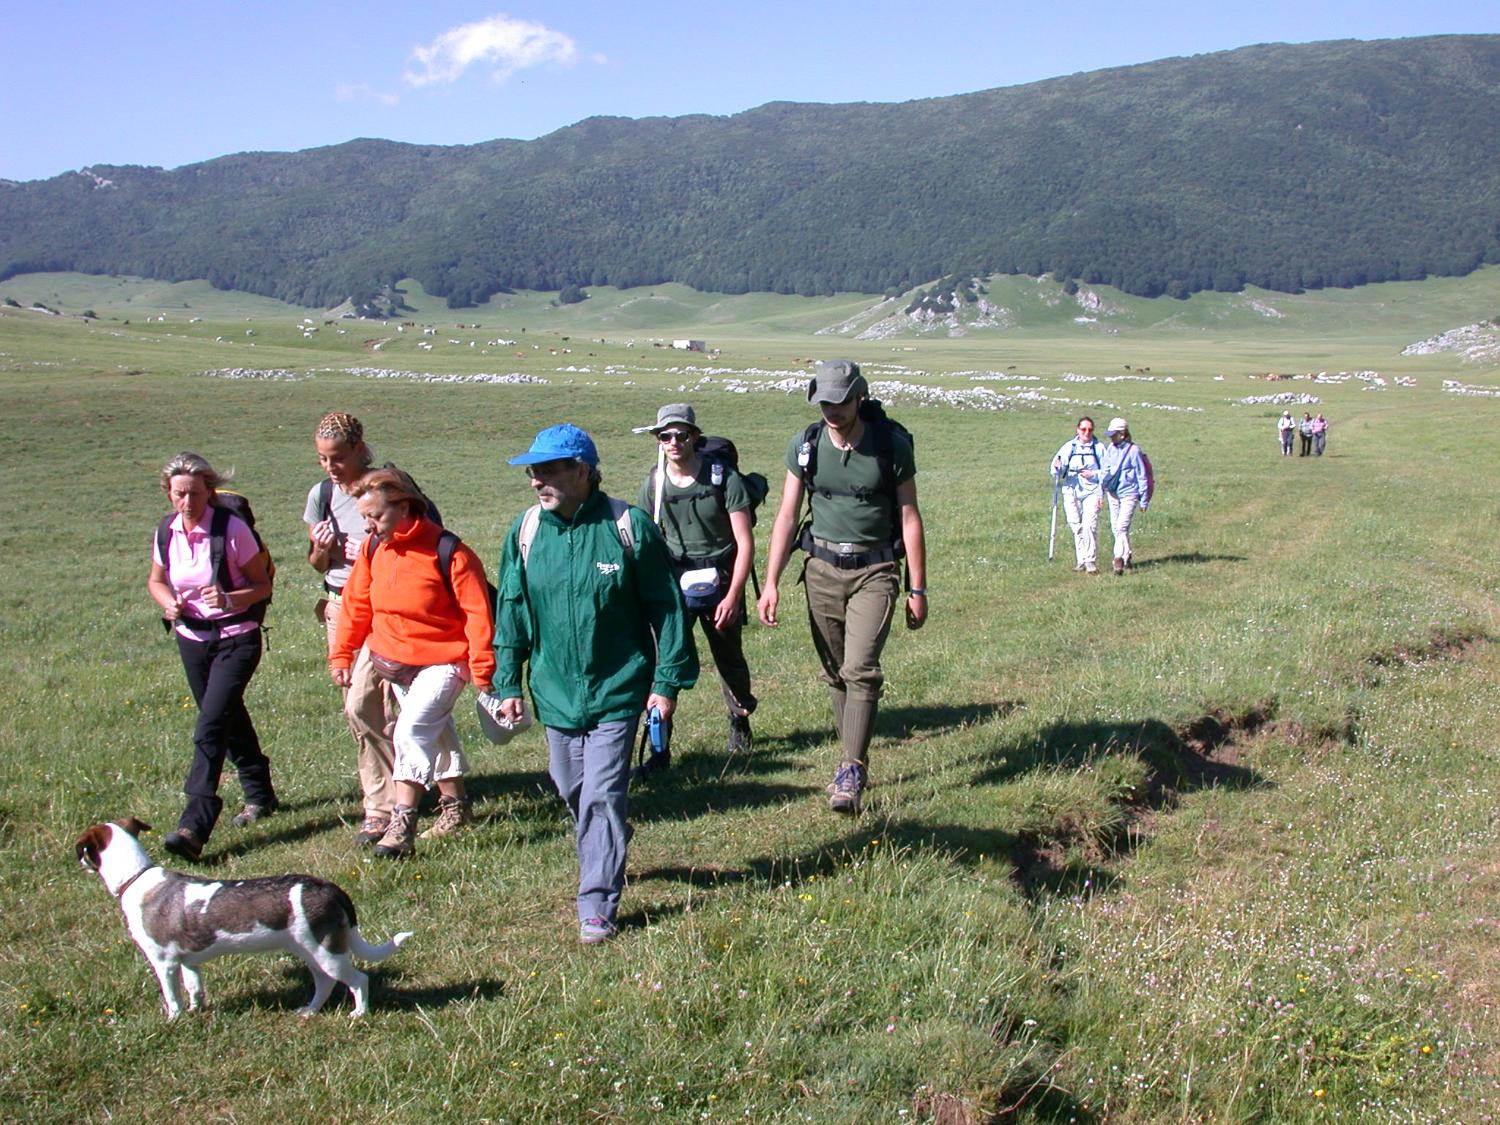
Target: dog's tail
367 952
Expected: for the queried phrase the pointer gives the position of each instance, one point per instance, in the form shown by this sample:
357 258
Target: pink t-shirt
189 566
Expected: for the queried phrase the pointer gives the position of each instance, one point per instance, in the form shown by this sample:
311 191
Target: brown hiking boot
453 817
1119 567
399 839
372 829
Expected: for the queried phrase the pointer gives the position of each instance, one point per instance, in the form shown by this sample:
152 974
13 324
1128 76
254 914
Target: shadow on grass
1068 855
296 987
1180 759
1183 559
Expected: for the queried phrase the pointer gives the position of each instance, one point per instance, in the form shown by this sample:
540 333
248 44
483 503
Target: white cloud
504 44
360 92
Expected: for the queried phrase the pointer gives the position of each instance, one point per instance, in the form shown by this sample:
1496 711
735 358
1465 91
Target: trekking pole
1052 535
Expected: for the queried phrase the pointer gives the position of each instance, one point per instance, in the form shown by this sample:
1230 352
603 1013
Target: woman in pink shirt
219 639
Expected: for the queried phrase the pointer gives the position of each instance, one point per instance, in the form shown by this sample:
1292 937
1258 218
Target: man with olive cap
859 473
588 602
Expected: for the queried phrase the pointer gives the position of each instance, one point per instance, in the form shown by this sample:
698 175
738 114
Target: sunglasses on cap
676 436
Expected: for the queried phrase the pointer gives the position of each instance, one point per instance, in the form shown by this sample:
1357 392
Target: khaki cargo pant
370 711
850 612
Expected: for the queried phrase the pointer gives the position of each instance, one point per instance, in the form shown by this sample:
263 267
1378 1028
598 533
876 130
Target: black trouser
727 646
218 672
1306 445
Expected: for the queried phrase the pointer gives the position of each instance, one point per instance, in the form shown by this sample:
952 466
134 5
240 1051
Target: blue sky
172 83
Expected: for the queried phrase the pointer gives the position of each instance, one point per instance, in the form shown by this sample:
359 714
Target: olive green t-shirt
870 518
693 521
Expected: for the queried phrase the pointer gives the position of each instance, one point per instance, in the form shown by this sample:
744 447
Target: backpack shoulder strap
621 512
447 543
810 438
527 533
885 454
218 529
325 498
164 539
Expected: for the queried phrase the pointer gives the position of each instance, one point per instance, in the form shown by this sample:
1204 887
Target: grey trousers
591 769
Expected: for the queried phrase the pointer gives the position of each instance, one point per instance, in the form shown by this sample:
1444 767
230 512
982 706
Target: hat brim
532 457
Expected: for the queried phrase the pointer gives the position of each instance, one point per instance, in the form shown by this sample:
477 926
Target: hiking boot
399 838
740 738
848 783
595 931
184 843
453 817
1119 567
251 813
372 829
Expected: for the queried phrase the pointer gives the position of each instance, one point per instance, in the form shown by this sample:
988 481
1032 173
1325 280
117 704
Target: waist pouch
702 581
394 671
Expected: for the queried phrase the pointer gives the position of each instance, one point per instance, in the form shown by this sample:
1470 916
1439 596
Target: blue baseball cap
563 442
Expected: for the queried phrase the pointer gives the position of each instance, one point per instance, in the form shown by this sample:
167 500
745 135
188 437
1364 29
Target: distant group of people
594 610
1087 475
1312 431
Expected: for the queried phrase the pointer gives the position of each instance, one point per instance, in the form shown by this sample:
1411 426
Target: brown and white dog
179 921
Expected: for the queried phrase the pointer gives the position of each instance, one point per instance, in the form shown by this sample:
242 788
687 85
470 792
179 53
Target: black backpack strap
218 530
325 498
447 543
164 539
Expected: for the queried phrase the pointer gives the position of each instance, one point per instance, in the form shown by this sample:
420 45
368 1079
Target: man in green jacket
589 603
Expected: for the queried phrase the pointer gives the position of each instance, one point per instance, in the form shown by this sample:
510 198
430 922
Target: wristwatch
918 591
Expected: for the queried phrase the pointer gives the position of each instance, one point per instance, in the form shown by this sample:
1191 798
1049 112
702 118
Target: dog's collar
125 886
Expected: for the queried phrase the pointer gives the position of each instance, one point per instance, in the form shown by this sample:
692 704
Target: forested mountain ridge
1282 166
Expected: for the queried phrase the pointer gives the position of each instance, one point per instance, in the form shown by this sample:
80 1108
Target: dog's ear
90 845
134 825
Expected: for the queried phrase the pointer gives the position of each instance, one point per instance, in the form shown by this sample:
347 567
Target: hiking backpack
882 427
721 455
223 505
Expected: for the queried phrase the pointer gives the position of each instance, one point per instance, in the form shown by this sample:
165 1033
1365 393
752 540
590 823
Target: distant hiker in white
1077 469
1286 426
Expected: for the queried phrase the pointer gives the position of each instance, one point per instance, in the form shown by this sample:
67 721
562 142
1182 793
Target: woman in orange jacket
429 633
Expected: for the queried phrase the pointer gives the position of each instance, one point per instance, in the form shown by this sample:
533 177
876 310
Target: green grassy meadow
1212 842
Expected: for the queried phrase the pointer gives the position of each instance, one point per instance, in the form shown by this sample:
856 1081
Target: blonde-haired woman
209 608
428 633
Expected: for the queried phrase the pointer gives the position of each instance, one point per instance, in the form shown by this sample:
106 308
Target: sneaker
1081 566
740 738
184 843
372 829
1119 566
1091 569
399 834
251 813
848 783
453 817
595 931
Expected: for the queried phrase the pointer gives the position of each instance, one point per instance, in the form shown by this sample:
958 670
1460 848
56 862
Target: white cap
495 726
1117 425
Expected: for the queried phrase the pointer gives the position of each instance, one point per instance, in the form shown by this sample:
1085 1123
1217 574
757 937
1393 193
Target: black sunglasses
676 436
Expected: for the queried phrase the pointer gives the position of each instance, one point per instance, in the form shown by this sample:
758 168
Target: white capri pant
1082 510
426 739
1121 512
